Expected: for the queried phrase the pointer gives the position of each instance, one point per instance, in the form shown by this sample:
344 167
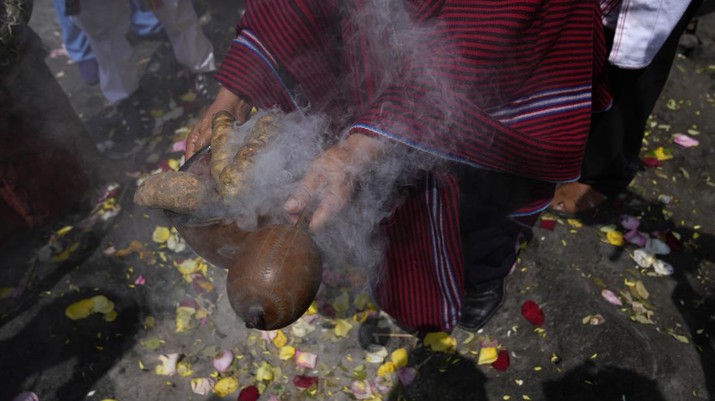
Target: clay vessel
274 277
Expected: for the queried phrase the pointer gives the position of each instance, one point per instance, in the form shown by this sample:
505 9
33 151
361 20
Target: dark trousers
613 148
489 238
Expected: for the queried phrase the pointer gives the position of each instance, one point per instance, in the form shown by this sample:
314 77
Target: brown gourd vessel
275 276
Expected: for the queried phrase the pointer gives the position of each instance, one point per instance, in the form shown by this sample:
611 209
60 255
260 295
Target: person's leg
75 40
490 239
612 156
77 46
191 47
106 24
144 22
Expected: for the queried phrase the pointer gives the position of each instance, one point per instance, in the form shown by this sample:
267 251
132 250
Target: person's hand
200 134
330 181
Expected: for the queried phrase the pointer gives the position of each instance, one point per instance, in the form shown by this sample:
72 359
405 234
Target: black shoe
480 303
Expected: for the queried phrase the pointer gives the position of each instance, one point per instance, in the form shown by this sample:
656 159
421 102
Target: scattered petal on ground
685 140
611 297
502 361
249 393
226 386
532 313
663 268
223 360
202 385
440 342
487 355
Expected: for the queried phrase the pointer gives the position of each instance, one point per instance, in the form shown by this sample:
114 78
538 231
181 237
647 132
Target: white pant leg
191 47
106 24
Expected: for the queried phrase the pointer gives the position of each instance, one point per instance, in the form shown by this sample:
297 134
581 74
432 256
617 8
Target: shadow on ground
589 383
88 348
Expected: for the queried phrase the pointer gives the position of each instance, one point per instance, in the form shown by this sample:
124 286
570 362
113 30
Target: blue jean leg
74 39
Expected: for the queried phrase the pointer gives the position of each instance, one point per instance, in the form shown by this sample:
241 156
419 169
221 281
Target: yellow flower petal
487 355
102 304
161 234
386 369
280 339
226 386
440 342
183 318
313 309
615 238
188 266
80 309
264 372
183 368
399 357
342 302
286 352
662 154
110 316
174 164
342 327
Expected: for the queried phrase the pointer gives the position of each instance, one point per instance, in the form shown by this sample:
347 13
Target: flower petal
487 355
399 357
440 342
226 386
663 268
249 393
502 361
611 297
532 313
223 360
306 359
685 140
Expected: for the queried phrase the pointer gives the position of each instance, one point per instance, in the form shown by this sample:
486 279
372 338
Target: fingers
332 202
303 195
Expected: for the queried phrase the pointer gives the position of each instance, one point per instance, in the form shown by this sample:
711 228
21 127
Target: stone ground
657 345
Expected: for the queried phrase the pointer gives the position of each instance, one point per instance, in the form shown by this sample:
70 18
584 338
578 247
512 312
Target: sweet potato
178 191
232 180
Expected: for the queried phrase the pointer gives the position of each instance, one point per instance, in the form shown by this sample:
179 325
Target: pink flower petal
407 375
636 238
611 297
630 222
140 281
223 360
269 335
685 141
179 146
306 359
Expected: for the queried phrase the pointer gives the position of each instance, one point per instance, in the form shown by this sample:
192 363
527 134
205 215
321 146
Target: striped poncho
507 86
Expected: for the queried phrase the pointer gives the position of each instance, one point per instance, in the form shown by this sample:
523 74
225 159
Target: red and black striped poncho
501 85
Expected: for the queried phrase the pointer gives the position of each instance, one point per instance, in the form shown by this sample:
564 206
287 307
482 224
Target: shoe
575 198
89 71
480 303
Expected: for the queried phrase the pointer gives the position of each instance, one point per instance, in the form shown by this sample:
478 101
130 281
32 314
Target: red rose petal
674 243
531 311
502 361
304 381
547 224
652 162
249 393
